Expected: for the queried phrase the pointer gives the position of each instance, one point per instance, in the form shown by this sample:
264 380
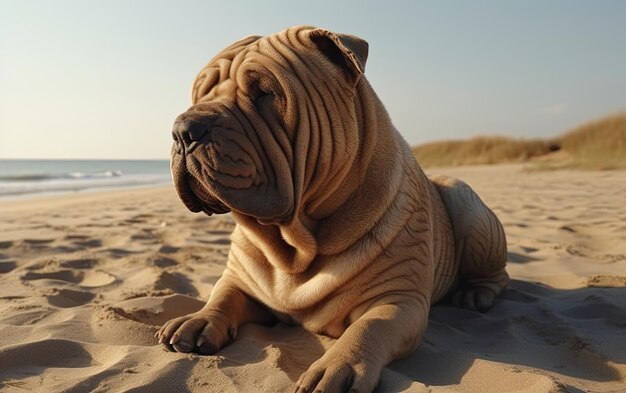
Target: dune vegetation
600 144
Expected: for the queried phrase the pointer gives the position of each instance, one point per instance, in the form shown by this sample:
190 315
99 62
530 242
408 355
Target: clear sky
105 79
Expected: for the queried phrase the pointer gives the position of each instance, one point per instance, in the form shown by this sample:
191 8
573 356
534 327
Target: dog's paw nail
201 341
174 339
183 346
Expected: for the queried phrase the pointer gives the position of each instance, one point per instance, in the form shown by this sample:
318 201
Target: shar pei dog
337 228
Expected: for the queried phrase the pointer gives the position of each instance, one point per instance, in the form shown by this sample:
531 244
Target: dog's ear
347 51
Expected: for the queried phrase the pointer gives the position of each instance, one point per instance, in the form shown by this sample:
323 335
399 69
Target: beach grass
599 144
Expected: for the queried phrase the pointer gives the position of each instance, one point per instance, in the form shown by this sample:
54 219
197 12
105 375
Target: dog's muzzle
188 134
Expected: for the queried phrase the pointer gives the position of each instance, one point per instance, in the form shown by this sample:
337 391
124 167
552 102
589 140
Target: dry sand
86 279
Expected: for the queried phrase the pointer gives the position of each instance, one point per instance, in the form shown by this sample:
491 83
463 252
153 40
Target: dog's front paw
197 332
336 372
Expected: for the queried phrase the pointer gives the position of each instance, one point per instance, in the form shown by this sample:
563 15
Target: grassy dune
599 144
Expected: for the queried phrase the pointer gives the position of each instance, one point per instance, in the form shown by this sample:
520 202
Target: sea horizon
31 177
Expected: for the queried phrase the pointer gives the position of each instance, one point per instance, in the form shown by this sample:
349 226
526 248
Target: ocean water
31 177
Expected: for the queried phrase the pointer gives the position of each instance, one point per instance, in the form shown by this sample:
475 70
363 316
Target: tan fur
338 229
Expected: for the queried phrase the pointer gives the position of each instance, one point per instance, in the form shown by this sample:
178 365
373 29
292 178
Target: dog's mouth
193 194
208 203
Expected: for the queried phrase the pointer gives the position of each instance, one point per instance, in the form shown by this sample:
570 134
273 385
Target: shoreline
30 178
34 196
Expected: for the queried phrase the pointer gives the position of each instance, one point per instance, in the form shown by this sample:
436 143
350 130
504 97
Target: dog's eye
260 89
260 92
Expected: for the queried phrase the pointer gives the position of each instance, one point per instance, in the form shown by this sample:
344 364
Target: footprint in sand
218 232
66 298
598 310
139 219
519 258
97 278
515 295
85 263
17 315
88 279
157 310
31 244
96 225
76 237
38 242
606 281
161 261
62 275
7 266
121 252
88 243
219 241
168 249
529 249
176 282
210 279
220 238
66 354
576 249
146 235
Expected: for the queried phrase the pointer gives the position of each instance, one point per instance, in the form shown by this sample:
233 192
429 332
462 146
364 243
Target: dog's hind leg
480 245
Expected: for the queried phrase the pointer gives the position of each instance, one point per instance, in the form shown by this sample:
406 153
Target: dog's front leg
393 328
215 325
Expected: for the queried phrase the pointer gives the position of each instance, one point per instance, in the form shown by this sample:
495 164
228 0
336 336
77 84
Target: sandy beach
87 278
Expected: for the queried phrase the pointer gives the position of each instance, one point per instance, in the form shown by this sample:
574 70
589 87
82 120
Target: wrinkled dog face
236 147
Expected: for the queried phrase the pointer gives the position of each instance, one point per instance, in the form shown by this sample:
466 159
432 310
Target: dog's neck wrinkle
332 151
288 247
303 247
371 123
375 168
338 182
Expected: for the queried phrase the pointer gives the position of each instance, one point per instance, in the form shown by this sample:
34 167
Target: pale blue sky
105 79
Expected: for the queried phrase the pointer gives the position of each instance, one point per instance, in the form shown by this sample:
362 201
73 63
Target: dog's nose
186 132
